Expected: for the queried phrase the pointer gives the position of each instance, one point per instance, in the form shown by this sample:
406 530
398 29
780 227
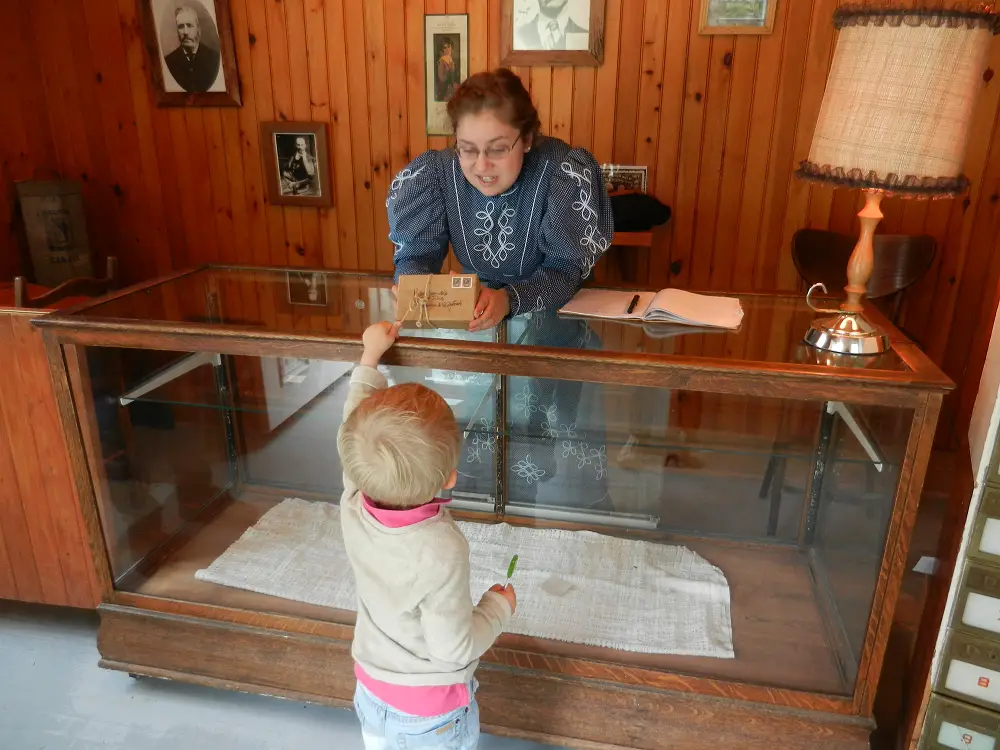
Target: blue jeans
385 728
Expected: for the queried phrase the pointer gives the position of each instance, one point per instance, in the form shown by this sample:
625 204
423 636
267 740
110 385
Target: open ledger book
665 306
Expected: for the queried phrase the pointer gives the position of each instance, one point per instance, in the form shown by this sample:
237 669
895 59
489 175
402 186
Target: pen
632 304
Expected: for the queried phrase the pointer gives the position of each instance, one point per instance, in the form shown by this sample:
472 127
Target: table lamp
894 121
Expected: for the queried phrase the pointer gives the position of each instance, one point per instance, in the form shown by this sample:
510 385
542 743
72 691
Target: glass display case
706 514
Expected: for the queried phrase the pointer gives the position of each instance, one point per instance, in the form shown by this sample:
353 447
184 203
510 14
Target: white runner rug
628 595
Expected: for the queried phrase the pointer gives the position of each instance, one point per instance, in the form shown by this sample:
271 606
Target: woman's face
490 152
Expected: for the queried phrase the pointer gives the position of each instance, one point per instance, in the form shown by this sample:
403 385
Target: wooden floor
780 636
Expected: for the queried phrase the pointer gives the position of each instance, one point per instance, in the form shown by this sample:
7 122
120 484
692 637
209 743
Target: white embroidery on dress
404 176
495 257
527 470
526 402
539 305
587 456
593 242
485 439
600 456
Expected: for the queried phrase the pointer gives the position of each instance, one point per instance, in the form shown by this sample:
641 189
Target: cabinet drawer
985 542
977 607
970 670
958 726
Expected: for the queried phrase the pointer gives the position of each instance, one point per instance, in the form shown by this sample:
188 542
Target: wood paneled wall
44 555
720 122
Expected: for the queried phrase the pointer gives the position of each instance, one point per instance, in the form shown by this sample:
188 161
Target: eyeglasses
493 153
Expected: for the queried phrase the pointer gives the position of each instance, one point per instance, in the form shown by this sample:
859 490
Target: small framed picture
296 163
307 288
737 16
190 46
552 32
446 58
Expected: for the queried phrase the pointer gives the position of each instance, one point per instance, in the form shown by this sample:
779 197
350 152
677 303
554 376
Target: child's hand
508 593
377 339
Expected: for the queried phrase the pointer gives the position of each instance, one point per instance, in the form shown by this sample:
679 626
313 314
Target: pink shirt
416 701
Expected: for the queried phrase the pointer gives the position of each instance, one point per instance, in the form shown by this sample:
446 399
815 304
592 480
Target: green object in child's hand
511 567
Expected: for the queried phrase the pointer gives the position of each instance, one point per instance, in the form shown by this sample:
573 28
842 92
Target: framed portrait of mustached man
552 32
191 58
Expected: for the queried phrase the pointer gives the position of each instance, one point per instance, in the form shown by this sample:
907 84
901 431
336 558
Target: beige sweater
416 621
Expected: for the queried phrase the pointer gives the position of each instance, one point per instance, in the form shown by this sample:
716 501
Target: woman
530 216
447 73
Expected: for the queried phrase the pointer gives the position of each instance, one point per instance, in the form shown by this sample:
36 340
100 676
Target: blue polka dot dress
539 240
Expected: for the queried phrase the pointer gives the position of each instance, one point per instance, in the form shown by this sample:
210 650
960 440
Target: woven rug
622 594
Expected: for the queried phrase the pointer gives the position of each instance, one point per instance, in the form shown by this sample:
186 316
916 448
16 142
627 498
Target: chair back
900 260
79 287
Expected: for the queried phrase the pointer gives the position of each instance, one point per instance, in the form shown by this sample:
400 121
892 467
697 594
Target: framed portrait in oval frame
191 58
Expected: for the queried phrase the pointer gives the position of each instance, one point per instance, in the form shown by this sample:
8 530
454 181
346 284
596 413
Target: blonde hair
400 445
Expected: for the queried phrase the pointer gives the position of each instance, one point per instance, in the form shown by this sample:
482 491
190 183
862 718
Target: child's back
418 636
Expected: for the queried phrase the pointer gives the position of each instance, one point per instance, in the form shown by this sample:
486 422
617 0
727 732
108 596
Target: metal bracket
170 373
860 430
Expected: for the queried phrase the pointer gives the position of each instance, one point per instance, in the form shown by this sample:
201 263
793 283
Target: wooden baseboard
575 712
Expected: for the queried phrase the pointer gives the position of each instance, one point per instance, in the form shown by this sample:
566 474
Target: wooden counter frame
630 706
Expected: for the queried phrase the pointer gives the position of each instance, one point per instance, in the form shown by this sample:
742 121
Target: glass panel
186 469
846 533
157 465
790 500
336 304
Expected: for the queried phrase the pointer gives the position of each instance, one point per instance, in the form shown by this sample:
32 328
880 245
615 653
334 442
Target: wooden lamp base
849 332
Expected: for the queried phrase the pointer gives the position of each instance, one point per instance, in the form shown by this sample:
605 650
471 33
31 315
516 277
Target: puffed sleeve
418 222
576 228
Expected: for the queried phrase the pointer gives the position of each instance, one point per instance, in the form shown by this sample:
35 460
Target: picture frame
296 164
552 32
307 287
737 16
55 227
192 61
446 65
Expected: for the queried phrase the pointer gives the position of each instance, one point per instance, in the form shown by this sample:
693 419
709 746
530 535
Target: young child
418 636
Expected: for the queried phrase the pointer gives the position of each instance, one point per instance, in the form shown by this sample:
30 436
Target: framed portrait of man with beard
190 45
553 32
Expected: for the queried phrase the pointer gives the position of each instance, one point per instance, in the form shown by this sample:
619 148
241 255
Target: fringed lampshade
895 119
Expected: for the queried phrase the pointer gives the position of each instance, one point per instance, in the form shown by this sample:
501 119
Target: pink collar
397 519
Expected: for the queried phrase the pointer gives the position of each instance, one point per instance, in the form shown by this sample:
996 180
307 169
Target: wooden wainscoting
44 554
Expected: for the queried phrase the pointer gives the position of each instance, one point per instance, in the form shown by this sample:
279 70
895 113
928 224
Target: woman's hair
400 445
498 91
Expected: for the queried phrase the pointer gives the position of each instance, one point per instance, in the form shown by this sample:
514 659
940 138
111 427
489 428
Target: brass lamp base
847 333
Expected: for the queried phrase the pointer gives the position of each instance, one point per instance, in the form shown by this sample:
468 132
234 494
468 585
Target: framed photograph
56 229
552 32
737 16
307 288
190 46
446 60
296 166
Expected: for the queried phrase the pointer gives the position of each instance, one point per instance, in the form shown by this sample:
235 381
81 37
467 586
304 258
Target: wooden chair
79 287
900 260
821 256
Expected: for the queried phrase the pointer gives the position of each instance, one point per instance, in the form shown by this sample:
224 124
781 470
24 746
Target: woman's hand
492 307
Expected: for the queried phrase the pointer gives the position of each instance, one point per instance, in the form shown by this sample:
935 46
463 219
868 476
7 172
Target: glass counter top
340 305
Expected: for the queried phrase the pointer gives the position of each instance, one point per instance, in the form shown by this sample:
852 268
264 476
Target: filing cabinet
984 544
957 726
970 669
